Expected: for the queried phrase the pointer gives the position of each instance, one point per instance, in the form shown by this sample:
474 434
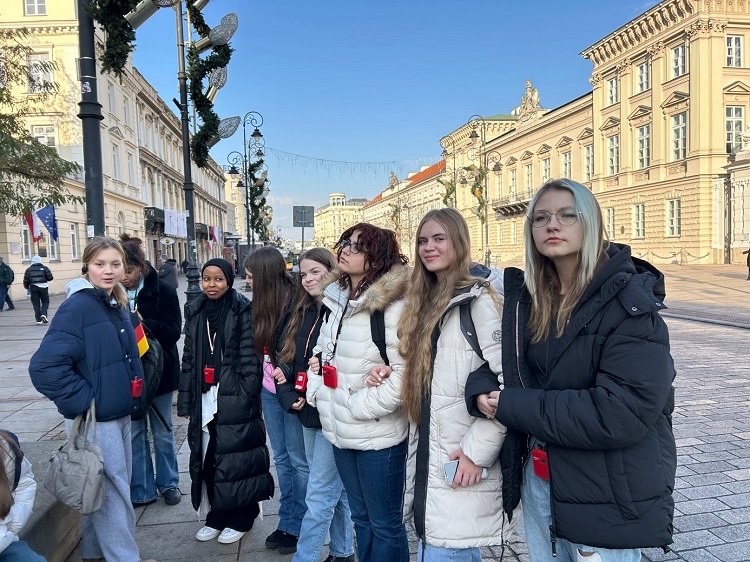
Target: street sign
303 216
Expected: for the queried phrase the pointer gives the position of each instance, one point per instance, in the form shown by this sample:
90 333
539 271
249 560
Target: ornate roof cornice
643 29
48 29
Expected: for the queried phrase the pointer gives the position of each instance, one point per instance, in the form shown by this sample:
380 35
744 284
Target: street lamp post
477 122
444 143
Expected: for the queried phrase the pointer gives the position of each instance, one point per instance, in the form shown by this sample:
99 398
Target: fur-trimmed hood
385 290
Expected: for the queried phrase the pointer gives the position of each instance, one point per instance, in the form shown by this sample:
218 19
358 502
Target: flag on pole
47 216
33 221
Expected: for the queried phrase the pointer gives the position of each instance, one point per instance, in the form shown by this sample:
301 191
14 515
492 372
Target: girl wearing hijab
219 392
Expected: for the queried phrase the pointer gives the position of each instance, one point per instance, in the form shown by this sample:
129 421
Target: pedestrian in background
184 267
455 510
88 353
367 427
168 271
6 280
17 493
588 390
273 298
36 280
748 262
158 307
327 506
219 393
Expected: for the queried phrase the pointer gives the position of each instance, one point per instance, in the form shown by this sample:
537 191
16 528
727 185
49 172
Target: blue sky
367 81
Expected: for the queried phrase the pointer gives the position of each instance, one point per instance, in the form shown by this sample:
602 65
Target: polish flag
35 227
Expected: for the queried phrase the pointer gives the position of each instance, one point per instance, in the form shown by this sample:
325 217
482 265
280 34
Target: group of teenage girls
551 387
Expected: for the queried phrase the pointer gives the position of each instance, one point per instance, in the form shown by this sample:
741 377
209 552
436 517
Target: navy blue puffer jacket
88 352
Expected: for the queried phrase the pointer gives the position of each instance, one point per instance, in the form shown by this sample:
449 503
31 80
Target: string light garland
342 167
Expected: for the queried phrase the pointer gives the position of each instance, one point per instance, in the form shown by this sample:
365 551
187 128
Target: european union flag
47 216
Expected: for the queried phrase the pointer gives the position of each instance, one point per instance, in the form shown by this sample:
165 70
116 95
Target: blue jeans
143 487
19 551
327 506
437 554
288 444
374 483
5 297
537 518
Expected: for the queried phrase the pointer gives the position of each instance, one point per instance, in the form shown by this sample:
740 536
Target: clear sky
381 81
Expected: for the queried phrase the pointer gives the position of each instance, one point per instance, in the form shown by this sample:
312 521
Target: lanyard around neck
211 339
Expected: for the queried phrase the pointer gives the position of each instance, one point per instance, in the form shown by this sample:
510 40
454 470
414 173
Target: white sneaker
44 319
207 533
228 536
38 323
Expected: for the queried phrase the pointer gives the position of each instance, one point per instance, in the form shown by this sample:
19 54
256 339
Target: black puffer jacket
605 411
159 306
36 273
306 338
242 461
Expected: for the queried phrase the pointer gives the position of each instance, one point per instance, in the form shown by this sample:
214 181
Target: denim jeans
143 486
374 483
537 518
327 506
288 444
428 553
4 296
19 551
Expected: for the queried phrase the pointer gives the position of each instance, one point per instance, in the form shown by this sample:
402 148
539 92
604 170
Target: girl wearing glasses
588 390
366 425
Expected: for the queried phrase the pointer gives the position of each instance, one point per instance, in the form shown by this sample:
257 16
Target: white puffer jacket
472 516
352 415
23 496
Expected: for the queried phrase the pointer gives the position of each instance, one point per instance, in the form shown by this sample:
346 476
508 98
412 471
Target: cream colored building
401 206
669 105
333 219
141 154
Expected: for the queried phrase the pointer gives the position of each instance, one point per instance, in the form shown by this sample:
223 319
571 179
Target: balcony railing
513 205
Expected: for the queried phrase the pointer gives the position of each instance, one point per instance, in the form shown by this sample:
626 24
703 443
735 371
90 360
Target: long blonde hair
540 274
92 249
426 301
303 302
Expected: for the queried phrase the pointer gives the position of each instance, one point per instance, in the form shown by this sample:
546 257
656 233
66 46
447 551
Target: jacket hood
493 276
239 302
36 259
77 284
389 288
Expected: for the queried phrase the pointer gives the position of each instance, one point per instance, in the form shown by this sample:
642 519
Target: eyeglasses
566 217
354 248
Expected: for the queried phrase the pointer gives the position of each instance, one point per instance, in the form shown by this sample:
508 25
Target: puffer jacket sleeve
23 500
483 440
168 323
185 389
631 388
52 367
314 382
374 402
250 365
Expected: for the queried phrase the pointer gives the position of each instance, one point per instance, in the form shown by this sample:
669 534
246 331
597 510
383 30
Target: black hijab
216 312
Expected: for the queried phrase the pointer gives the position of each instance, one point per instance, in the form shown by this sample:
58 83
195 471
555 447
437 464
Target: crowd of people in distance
461 398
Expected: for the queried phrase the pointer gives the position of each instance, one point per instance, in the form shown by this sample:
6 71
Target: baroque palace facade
141 156
657 141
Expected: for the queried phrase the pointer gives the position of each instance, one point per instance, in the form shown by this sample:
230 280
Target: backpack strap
377 332
18 454
468 329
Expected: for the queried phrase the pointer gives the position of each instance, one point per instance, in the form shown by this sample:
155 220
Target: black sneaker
274 539
288 544
332 558
172 496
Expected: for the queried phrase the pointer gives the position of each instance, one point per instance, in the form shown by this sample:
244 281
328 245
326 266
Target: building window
644 77
234 197
546 167
131 169
514 233
735 125
613 95
74 241
734 50
111 98
27 243
613 151
51 248
126 111
674 216
644 147
529 177
500 234
499 184
567 171
512 187
639 220
120 223
588 162
609 222
115 161
35 7
45 134
40 73
679 136
678 61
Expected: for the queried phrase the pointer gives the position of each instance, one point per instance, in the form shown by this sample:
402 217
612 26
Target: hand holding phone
451 467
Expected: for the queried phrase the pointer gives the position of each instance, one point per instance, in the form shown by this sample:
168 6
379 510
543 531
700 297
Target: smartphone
329 376
450 469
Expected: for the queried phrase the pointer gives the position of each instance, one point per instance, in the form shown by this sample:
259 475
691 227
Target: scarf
212 324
